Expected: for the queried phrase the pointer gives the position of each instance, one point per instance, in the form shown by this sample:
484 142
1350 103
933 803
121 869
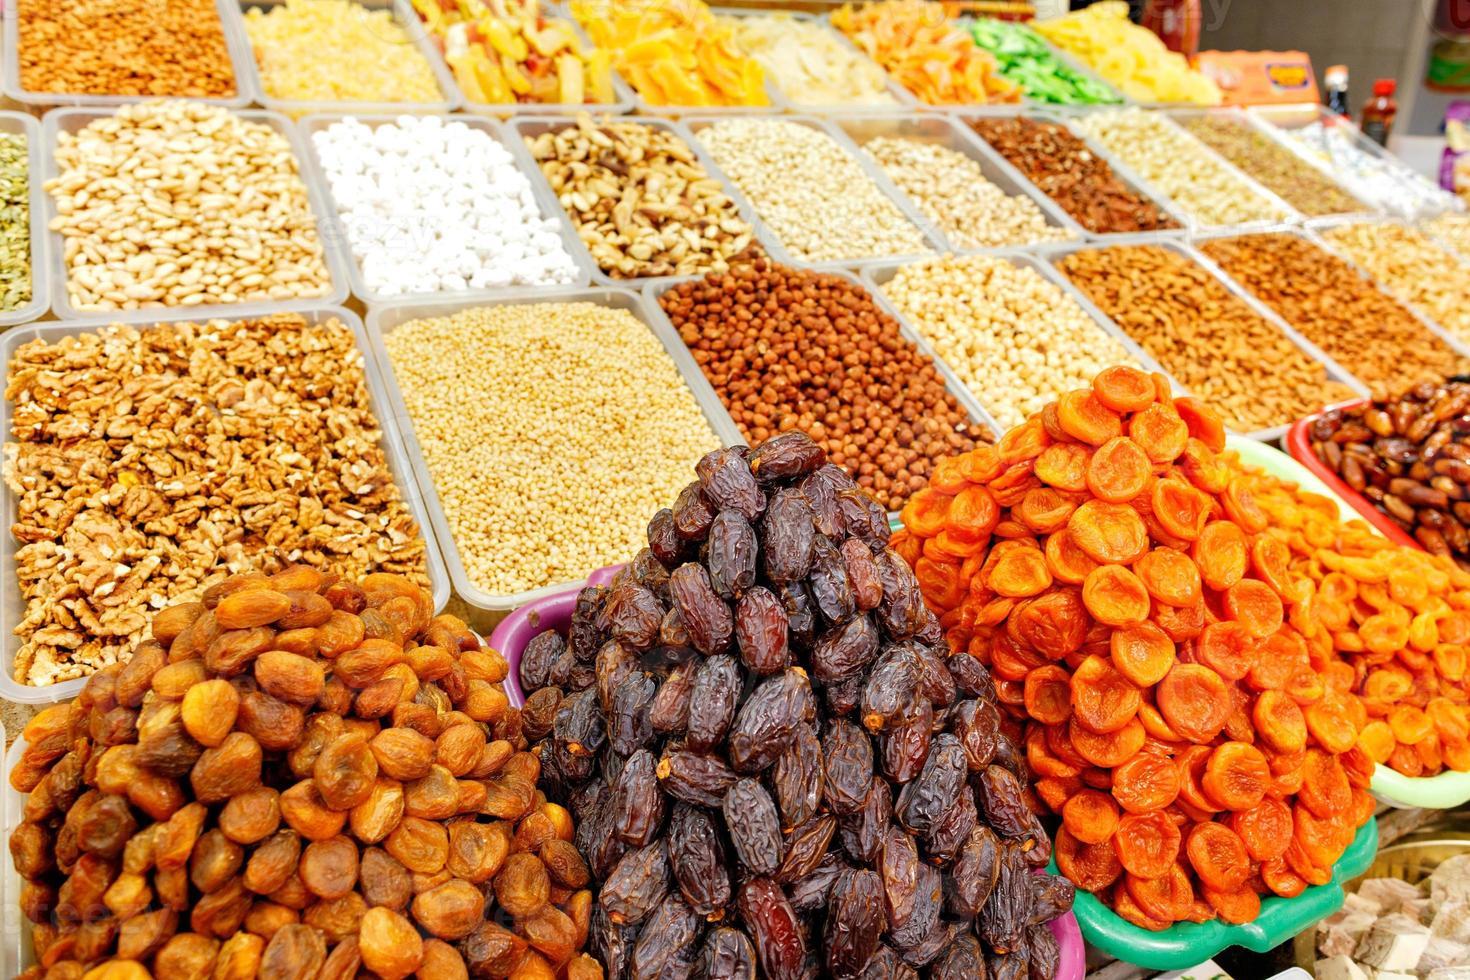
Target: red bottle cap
1384 86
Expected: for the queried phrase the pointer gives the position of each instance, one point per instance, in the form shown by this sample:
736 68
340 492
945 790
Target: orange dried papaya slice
1221 554
1252 604
1170 577
1091 816
1279 722
1236 777
1195 701
1124 389
1146 782
1118 470
1265 828
1147 843
1115 596
1160 432
1083 417
1218 856
1204 423
1103 700
1048 694
1109 533
1226 648
1143 653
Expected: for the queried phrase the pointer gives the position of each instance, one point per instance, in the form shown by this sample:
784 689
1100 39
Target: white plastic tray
12 604
383 320
73 120
546 203
40 304
450 98
234 33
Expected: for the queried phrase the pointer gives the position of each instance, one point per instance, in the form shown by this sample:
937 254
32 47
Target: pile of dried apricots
1148 628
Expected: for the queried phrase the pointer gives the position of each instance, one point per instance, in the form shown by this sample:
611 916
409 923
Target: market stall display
801 719
633 413
834 364
119 50
1205 335
1130 57
434 206
809 64
820 202
1263 159
1452 230
1006 330
1072 174
515 52
642 199
674 54
239 229
924 51
1158 757
1196 180
1335 307
295 843
1024 57
152 459
334 51
1420 273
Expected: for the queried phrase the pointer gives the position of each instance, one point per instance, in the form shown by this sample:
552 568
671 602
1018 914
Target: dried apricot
1271 562
1124 389
1118 471
1325 789
1068 562
1218 856
1115 596
1147 843
1108 533
1331 724
1265 828
1091 816
1170 577
972 514
1111 749
1236 777
1277 875
1226 648
1020 572
1221 554
1142 653
1194 701
1410 725
1063 465
926 512
1167 897
1049 695
1082 416
1204 423
1146 782
1091 867
1044 510
1160 432
1055 624
1237 906
1279 722
1131 912
1252 604
1103 700
1180 509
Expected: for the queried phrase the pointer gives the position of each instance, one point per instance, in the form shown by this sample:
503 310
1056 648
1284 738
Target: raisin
716 690
730 555
761 626
855 920
697 859
774 929
754 826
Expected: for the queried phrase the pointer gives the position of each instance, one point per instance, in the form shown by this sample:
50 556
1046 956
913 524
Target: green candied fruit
1023 57
15 222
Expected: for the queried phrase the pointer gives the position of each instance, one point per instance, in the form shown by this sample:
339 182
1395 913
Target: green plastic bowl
1187 944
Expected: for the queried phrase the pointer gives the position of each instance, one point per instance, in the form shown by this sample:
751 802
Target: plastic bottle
1335 81
1378 112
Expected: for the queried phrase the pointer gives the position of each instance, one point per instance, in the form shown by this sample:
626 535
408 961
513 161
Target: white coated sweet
1394 943
432 206
1339 968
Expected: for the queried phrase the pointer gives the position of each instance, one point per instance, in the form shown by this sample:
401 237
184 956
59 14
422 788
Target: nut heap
1452 230
1179 165
124 47
1397 620
1065 170
1148 622
1275 167
1013 337
1208 338
181 203
1414 268
816 197
952 191
15 222
642 202
765 673
297 776
789 349
1410 455
1331 304
148 464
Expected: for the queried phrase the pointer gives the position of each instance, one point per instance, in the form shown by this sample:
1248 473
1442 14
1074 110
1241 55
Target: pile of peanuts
642 202
124 47
1413 267
1180 166
1061 165
548 429
1210 340
1013 338
814 195
181 204
1275 167
1452 230
952 191
1332 305
791 349
337 51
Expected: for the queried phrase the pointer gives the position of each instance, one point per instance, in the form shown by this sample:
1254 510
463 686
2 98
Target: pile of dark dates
1409 456
774 766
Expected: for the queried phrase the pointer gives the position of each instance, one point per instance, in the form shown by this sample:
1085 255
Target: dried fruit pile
769 760
298 776
1139 610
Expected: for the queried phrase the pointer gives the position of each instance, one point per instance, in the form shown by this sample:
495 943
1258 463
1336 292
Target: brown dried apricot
1118 470
1115 596
1142 653
1147 843
1236 776
1108 533
1103 700
1194 701
1146 782
1131 912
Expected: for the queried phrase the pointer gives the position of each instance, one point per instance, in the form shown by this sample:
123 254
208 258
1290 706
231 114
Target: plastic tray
235 42
522 127
403 14
1334 371
383 320
1185 944
1121 170
12 605
775 247
1065 58
945 132
40 303
73 120
15 937
545 201
875 277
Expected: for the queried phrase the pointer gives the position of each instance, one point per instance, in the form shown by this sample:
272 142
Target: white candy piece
1394 975
1340 967
1449 973
1394 943
432 206
1452 921
1386 893
1342 931
1441 953
1451 880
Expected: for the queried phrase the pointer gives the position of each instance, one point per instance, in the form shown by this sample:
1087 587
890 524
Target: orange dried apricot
1063 465
1279 722
1203 468
1451 721
1108 533
1277 875
1147 843
1049 694
1220 552
1160 432
1280 656
1218 856
1194 700
1170 577
1271 562
1203 422
1192 762
1383 634
1252 604
1055 624
1124 389
1325 789
1410 725
1068 563
1044 510
1238 905
1018 573
1167 897
1331 724
1091 816
1226 648
1180 509
1180 623
1110 749
1131 912
1146 782
1236 776
1142 653
1265 828
1091 867
926 512
1083 417
1118 471
1241 507
1103 700
1115 596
